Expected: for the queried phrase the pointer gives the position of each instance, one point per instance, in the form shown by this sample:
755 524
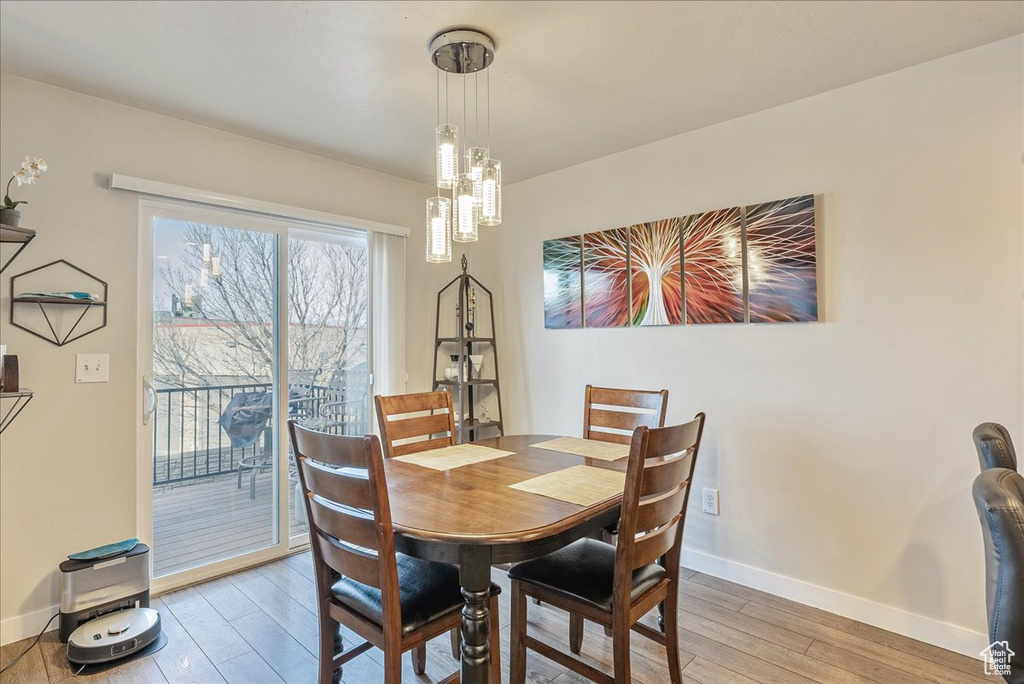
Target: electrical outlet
709 500
92 368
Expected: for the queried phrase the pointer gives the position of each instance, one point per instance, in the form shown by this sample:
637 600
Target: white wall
68 465
424 281
842 449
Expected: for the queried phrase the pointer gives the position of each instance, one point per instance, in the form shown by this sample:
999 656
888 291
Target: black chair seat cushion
585 571
427 591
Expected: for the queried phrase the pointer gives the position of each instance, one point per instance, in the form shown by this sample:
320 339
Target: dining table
471 517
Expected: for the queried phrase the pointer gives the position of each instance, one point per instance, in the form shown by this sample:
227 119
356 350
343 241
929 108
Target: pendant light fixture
439 234
476 191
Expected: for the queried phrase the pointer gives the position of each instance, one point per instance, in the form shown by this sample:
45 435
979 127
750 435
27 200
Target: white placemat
457 456
588 448
581 485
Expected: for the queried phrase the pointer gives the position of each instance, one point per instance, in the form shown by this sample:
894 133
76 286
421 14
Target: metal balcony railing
189 443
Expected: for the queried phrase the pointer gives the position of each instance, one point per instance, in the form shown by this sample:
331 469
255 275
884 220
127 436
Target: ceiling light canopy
476 187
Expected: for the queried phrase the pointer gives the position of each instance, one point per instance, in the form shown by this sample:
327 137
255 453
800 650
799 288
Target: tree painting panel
563 296
781 261
713 266
656 273
605 280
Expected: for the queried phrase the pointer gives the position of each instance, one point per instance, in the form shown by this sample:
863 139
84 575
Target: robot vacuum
113 636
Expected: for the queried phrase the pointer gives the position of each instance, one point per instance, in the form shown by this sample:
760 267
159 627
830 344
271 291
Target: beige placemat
454 456
588 448
581 485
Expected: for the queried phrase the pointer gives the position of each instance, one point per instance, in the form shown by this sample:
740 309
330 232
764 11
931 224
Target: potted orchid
30 171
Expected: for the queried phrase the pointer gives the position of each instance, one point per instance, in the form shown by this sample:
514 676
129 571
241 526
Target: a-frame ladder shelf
469 386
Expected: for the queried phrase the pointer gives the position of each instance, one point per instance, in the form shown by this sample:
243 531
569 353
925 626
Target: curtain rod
153 188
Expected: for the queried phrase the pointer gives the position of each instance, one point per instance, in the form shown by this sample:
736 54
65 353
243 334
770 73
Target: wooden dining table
470 517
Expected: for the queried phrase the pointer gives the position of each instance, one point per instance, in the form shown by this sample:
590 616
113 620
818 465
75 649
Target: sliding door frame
280 227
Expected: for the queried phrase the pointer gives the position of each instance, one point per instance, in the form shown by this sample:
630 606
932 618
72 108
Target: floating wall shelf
15 236
20 399
45 303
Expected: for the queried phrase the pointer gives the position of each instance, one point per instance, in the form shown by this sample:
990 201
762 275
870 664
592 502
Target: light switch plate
92 368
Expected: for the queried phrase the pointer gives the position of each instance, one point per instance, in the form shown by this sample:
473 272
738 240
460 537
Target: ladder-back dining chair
616 585
426 417
611 415
396 602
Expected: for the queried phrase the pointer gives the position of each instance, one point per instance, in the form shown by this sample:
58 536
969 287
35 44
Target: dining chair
611 415
401 419
393 601
615 586
999 497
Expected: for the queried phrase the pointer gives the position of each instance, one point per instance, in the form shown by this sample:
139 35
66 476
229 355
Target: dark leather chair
396 602
615 586
999 498
995 448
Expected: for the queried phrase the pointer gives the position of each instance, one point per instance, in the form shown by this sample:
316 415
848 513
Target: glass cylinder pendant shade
475 158
439 234
490 204
464 224
447 156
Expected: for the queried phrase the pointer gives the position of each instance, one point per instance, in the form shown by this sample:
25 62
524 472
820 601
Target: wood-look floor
259 626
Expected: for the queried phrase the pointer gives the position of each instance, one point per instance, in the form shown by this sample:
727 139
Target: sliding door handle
150 401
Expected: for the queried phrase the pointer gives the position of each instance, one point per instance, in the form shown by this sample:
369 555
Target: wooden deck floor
260 626
201 522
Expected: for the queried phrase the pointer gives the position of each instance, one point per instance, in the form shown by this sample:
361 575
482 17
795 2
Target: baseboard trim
929 630
932 631
28 625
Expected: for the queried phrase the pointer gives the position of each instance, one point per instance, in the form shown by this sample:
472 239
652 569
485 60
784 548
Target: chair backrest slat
348 512
417 426
434 430
662 475
347 454
653 511
417 447
349 561
610 415
611 396
661 463
348 524
656 544
346 488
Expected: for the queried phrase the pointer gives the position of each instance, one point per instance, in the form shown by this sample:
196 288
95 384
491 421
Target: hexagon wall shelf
55 309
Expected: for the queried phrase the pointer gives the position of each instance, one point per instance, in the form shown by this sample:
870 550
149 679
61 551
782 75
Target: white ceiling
572 81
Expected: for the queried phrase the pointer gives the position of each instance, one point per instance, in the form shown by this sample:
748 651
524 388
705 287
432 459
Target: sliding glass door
328 338
215 342
253 321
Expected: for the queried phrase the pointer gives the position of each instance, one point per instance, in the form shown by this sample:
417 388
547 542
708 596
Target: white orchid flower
23 176
33 167
39 164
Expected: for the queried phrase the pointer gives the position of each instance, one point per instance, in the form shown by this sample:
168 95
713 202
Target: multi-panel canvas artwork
605 280
563 282
656 273
781 265
713 270
754 263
